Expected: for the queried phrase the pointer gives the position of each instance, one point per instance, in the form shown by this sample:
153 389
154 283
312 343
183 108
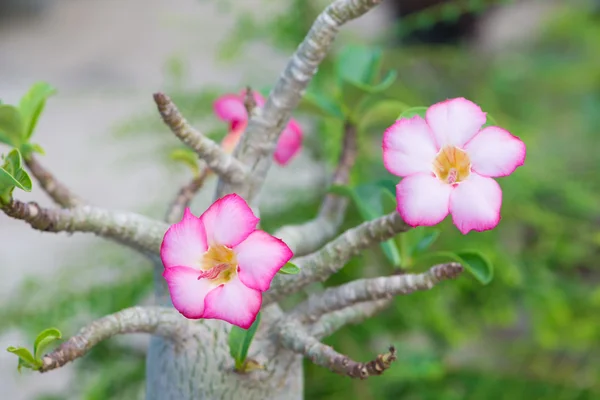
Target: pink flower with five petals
230 108
218 265
447 163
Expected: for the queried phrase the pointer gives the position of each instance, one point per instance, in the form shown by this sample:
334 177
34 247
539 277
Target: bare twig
258 142
318 266
52 186
249 101
293 337
131 229
309 236
185 196
161 321
329 323
224 165
361 290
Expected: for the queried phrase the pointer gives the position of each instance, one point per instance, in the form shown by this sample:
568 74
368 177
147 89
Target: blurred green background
533 332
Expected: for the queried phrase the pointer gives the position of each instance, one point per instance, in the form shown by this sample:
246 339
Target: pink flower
218 265
448 163
230 108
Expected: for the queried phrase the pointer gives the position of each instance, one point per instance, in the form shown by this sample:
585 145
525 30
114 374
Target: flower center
452 165
219 264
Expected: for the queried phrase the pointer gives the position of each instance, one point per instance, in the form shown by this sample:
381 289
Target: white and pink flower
217 265
447 163
230 108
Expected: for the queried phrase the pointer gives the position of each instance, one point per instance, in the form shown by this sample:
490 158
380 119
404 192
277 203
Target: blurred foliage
532 333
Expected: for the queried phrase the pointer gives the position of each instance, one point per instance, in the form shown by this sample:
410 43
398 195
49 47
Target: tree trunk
202 368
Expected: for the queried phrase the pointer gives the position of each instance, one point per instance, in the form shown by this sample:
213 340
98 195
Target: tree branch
318 266
160 321
329 323
293 337
52 186
258 142
225 165
309 236
131 229
361 290
185 195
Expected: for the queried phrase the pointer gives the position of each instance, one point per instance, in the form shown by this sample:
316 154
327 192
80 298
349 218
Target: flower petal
187 292
289 143
455 121
228 221
423 199
233 302
408 147
495 152
230 108
232 138
184 243
475 204
259 258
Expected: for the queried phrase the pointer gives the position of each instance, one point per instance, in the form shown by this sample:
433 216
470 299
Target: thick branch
320 265
258 142
130 229
361 290
185 195
52 186
309 236
329 323
225 165
293 337
160 321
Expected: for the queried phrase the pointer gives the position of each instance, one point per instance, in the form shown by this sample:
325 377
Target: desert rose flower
230 108
447 163
217 265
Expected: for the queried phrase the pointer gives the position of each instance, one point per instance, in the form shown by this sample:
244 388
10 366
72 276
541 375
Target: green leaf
32 104
473 261
369 200
490 121
411 112
45 339
28 148
427 240
359 64
381 114
187 157
11 126
239 342
12 175
320 105
25 355
289 269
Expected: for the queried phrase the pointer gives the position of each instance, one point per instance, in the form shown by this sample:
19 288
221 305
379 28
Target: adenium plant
219 330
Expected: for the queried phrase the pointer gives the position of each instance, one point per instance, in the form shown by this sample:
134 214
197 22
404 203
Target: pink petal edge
454 121
233 302
289 143
423 200
187 292
259 258
495 152
475 204
184 243
228 221
408 147
230 108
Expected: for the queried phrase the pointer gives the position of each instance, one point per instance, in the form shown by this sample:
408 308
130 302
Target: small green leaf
239 342
45 339
11 126
381 114
12 175
289 269
187 157
474 262
490 121
359 64
25 358
411 112
320 105
427 240
28 148
32 104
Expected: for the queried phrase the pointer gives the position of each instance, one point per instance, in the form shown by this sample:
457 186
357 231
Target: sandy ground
106 58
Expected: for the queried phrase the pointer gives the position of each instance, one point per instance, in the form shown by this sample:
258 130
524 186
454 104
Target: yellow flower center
452 165
219 264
